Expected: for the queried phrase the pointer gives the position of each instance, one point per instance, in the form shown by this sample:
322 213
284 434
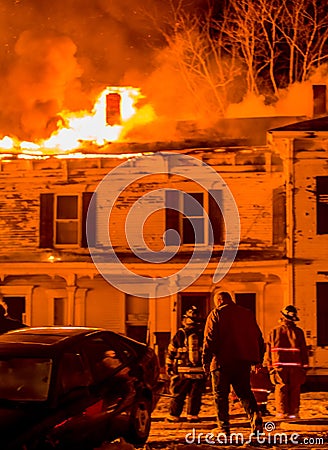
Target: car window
73 373
124 351
25 379
103 357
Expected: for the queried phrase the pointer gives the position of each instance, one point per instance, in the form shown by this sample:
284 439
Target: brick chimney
113 108
319 99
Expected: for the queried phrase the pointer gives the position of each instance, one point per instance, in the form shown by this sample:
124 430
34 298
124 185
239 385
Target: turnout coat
232 335
286 347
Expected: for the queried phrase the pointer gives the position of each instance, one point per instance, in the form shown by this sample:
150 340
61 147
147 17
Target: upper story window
67 219
278 215
185 213
322 314
322 205
63 220
193 218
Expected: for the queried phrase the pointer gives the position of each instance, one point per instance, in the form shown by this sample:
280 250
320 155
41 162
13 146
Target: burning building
49 278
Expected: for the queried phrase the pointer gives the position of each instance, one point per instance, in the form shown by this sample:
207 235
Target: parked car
74 388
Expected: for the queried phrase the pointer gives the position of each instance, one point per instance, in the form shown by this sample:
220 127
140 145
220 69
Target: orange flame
77 129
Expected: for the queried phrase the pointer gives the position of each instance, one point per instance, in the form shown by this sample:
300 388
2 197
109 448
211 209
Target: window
63 220
247 300
189 299
16 307
322 205
103 357
137 314
67 219
73 373
193 219
278 215
25 379
322 314
186 213
59 311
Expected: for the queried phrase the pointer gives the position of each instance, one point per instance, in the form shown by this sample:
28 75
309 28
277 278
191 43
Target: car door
93 389
73 398
112 382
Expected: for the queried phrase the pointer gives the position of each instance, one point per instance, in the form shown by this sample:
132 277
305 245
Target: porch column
71 304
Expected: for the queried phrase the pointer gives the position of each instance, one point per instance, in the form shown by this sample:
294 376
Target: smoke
296 100
43 76
60 55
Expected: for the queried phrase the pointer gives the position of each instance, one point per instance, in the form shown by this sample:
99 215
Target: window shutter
322 205
172 217
86 199
278 215
322 314
46 221
215 199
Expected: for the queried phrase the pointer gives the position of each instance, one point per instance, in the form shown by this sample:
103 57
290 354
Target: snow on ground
309 433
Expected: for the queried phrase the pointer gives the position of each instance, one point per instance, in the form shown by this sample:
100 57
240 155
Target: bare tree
271 43
304 26
278 40
199 56
268 16
241 31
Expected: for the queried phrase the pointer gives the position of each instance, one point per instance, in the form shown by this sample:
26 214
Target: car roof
43 340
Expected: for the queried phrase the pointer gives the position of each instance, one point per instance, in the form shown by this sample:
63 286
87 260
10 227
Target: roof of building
318 124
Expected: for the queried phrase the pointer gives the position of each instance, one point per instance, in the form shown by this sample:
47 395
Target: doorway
247 300
16 307
201 300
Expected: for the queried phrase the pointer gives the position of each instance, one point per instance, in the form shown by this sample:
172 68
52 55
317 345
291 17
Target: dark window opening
137 332
322 314
201 300
193 218
278 215
59 311
247 300
16 307
322 205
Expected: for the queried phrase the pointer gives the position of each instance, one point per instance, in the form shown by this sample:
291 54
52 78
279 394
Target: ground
309 433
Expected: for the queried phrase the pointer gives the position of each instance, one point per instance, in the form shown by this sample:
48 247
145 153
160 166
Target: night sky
60 54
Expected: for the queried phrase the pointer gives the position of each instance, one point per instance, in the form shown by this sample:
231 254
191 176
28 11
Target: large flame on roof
74 130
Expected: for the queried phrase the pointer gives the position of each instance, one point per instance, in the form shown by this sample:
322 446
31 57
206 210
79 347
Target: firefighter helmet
192 313
290 313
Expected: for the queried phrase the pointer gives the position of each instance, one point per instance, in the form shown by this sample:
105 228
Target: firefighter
261 387
233 343
287 360
184 366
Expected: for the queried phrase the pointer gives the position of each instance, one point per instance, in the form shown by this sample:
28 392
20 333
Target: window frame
77 220
174 204
321 206
98 368
62 368
183 218
48 220
321 308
